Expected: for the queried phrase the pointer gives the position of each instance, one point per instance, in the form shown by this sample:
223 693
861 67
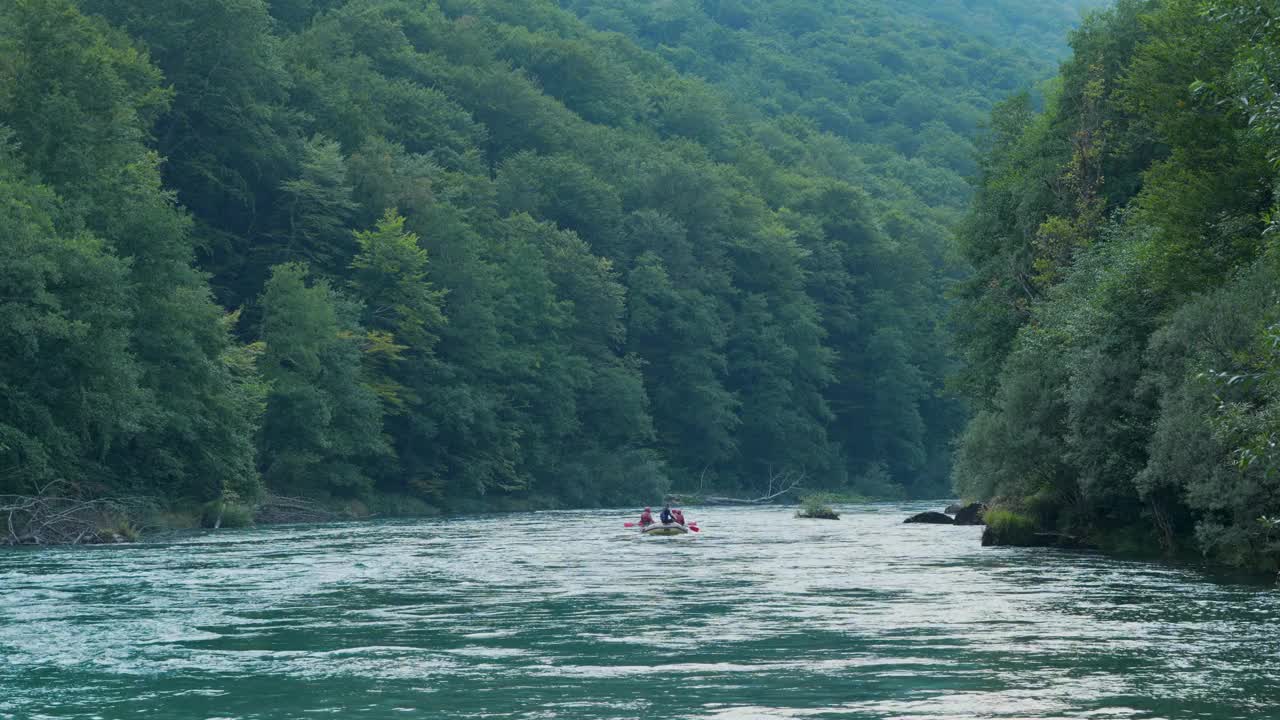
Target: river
569 616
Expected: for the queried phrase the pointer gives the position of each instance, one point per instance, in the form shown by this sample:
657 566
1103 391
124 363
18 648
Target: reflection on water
568 615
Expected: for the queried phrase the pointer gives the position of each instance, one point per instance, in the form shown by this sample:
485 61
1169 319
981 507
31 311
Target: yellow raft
660 529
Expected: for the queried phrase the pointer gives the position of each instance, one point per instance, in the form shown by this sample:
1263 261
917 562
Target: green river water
568 615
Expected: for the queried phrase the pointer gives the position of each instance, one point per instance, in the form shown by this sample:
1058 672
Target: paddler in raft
673 522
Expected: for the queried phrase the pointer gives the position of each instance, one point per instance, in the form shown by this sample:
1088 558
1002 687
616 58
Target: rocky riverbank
1002 527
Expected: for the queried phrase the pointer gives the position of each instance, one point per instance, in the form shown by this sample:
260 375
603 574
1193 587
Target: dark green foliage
70 384
227 137
323 427
476 251
483 250
153 396
868 94
1119 326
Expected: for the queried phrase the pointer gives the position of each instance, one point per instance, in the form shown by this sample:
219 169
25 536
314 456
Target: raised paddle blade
693 527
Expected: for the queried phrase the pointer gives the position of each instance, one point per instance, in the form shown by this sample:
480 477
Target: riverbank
138 520
60 517
1004 526
119 519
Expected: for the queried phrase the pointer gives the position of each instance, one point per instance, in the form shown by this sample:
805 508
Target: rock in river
971 514
953 508
932 518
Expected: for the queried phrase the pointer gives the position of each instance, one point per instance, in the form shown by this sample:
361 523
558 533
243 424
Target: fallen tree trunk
779 484
280 510
717 500
48 518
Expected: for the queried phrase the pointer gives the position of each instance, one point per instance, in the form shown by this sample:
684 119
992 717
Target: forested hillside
403 253
905 85
1120 332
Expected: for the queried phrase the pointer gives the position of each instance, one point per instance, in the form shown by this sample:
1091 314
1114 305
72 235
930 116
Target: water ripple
568 616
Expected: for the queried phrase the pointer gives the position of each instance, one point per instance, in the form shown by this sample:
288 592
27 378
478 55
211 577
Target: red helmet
646 510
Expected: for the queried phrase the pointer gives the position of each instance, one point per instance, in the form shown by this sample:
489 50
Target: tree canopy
487 252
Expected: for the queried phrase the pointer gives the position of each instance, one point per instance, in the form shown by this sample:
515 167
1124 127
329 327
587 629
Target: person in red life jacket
678 516
646 518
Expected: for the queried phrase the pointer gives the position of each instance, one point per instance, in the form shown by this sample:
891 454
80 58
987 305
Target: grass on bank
1010 528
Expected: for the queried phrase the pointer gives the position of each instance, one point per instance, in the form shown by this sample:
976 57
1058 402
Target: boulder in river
953 508
971 514
931 518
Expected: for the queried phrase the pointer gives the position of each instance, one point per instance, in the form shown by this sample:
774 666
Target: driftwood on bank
779 484
53 516
280 510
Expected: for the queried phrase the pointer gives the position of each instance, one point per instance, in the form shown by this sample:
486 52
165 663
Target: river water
568 615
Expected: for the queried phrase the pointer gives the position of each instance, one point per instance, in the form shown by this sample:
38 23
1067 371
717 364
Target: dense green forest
404 254
893 93
1121 330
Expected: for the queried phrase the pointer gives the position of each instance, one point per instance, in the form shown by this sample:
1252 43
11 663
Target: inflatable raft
659 529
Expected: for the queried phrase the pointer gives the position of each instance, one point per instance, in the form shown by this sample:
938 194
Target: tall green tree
70 385
322 433
80 111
